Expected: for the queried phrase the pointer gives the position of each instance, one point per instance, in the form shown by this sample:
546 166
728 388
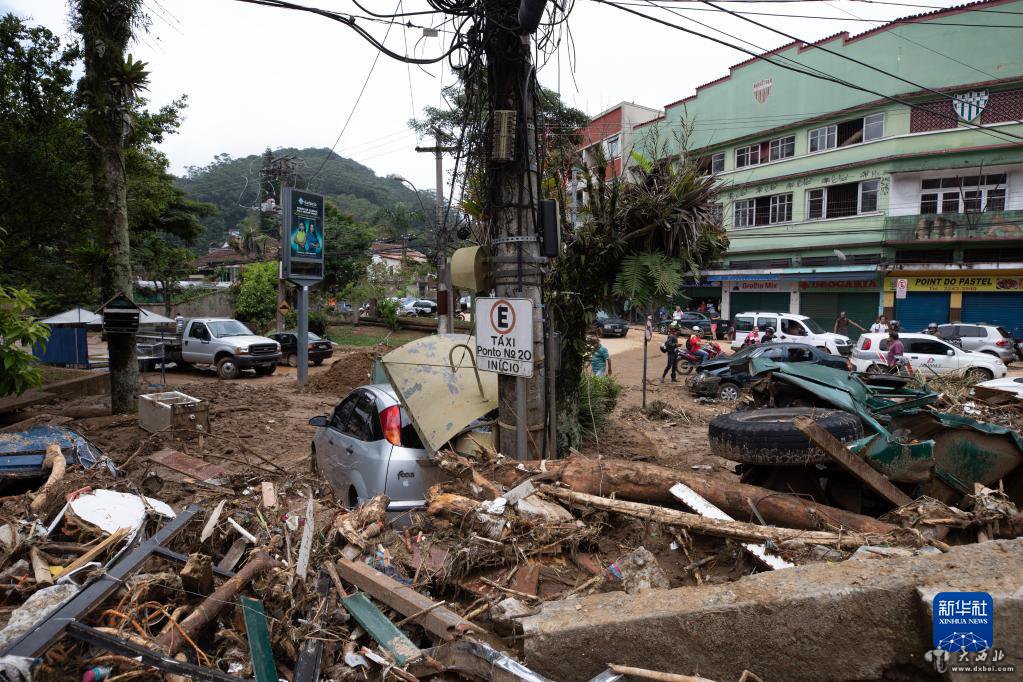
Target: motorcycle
686 362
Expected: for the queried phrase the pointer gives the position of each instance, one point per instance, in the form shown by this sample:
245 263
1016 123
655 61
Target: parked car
928 354
789 327
724 378
610 324
319 348
418 307
981 338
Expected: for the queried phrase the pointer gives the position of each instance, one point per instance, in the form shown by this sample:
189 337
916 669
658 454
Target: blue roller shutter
994 307
758 302
920 308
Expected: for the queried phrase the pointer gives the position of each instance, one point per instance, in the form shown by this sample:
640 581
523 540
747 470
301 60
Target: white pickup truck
228 345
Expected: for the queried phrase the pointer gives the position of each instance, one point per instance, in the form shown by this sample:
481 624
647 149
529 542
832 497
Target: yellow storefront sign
970 282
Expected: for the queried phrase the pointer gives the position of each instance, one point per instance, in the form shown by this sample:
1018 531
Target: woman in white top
677 314
880 326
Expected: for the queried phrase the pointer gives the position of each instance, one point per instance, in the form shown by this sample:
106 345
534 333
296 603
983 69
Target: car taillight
1002 343
866 344
390 422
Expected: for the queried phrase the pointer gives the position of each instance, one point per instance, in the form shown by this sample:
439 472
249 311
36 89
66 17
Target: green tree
109 89
256 296
164 263
347 249
18 370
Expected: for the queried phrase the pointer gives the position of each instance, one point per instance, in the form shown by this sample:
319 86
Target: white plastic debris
37 607
110 510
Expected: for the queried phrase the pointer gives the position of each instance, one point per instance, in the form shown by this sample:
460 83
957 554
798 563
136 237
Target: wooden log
170 642
735 530
643 482
853 464
54 461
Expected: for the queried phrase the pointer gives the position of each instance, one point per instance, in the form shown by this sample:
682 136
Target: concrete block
852 620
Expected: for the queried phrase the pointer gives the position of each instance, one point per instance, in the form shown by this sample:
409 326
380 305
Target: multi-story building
613 131
832 195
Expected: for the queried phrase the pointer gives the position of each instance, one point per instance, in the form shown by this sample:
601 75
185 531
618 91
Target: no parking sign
504 336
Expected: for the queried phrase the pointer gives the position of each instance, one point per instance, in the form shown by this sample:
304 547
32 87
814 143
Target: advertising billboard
302 248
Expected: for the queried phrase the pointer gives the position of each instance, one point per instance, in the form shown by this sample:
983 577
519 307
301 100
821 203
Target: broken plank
40 569
701 506
856 466
263 666
441 622
193 467
381 629
211 523
234 553
306 545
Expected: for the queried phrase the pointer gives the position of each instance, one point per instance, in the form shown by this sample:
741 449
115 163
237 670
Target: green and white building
839 199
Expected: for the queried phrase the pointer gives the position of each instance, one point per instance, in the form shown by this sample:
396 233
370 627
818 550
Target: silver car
368 446
981 338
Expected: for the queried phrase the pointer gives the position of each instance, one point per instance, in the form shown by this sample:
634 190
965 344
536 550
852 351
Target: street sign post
901 288
504 344
302 250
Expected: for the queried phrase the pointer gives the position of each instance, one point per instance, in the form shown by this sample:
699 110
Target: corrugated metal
824 308
758 301
920 308
995 307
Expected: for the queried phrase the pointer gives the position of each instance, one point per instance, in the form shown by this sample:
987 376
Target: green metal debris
381 629
263 666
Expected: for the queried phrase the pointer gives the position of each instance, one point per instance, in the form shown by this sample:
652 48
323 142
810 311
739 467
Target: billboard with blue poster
303 232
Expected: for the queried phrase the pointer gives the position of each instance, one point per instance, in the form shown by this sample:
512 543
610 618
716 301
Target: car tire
976 375
292 359
875 369
770 438
729 391
318 361
227 368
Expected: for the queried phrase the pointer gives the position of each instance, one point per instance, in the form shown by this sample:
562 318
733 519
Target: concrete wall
217 304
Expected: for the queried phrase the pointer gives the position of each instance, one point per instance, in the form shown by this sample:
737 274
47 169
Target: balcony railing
954 227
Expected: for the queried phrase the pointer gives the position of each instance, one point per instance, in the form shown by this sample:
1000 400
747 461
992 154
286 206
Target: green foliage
347 254
318 323
597 399
18 370
648 278
256 296
387 310
164 263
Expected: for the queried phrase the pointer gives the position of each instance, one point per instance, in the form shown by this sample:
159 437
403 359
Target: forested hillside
233 186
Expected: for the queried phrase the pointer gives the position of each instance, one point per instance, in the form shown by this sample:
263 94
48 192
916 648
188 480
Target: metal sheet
436 381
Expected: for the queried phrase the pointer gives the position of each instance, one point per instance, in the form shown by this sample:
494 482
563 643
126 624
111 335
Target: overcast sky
258 77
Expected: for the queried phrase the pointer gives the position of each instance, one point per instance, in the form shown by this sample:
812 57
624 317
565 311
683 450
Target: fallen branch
654 675
736 530
54 461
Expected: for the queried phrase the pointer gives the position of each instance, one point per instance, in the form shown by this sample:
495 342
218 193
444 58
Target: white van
789 327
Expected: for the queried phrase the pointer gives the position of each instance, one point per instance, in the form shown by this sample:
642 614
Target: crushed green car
933 453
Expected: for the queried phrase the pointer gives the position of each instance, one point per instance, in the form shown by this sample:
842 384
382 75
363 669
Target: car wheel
975 375
227 368
292 359
769 436
318 361
728 391
875 369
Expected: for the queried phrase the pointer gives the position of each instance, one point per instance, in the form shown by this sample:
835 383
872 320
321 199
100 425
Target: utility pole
516 251
445 303
282 172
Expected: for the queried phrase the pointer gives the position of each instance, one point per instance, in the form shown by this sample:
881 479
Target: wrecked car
22 452
724 378
889 421
383 437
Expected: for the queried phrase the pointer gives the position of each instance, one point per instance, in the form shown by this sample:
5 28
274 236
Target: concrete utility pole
516 251
281 171
445 303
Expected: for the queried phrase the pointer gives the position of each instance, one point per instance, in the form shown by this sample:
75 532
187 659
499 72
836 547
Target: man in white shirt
880 325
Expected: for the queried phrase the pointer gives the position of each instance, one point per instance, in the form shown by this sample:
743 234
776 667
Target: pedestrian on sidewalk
600 361
842 324
880 325
669 346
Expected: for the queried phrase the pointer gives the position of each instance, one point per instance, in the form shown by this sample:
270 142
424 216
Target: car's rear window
1005 334
409 436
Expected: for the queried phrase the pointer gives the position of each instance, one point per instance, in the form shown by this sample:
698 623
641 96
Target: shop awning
742 278
830 276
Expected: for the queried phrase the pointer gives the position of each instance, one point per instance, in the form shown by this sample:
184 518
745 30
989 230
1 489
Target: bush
597 399
387 309
317 323
256 297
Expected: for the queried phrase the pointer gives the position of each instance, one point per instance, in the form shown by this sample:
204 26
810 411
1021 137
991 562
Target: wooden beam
835 449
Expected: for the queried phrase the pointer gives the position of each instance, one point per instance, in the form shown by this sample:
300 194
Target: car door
332 448
931 355
195 346
363 443
791 330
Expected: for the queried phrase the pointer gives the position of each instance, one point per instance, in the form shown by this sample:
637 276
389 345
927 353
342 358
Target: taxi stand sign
504 336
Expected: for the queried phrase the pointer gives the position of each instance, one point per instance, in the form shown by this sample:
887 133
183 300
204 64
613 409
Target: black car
690 320
724 378
610 325
319 349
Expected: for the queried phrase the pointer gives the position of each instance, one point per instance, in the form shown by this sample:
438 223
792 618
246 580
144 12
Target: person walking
600 361
676 315
880 325
715 320
669 346
842 324
896 349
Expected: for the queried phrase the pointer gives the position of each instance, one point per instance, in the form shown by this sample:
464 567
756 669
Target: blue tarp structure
22 452
67 346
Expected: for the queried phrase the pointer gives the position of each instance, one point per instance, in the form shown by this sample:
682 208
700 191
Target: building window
823 138
970 194
782 148
614 149
745 213
717 163
781 208
873 127
841 201
747 156
762 211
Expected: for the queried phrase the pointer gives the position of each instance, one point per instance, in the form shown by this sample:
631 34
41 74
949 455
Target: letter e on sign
504 336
